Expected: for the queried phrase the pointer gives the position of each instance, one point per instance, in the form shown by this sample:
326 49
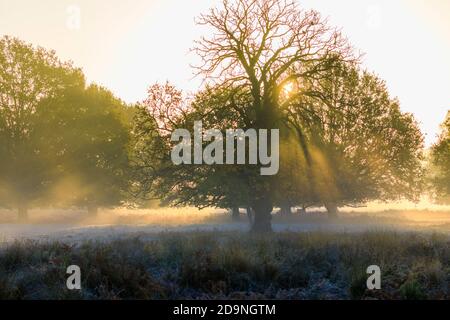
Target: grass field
232 265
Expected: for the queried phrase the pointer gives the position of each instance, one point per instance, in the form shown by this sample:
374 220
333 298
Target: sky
128 45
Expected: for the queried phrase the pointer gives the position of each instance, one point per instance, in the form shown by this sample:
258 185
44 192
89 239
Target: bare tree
263 46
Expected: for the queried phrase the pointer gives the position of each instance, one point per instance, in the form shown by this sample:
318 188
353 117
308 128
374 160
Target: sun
288 88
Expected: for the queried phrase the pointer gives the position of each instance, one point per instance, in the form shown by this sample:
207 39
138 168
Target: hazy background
126 46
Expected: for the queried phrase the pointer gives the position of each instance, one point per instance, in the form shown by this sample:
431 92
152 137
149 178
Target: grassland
232 265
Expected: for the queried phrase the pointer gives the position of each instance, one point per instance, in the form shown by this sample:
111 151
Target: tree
153 123
270 65
198 185
28 77
360 146
89 131
261 46
440 165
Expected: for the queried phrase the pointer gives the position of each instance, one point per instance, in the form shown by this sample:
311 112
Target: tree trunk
235 213
250 215
92 210
332 209
286 210
263 216
22 212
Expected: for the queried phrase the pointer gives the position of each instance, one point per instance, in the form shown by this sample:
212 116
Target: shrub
412 290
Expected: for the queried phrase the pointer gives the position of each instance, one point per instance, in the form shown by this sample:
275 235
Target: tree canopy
440 165
60 142
89 130
357 144
29 77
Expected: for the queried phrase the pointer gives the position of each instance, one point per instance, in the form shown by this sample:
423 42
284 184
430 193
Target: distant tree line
268 65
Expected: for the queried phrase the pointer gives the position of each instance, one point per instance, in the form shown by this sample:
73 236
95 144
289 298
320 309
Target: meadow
209 257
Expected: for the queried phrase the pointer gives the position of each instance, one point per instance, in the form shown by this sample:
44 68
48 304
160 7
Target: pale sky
128 45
